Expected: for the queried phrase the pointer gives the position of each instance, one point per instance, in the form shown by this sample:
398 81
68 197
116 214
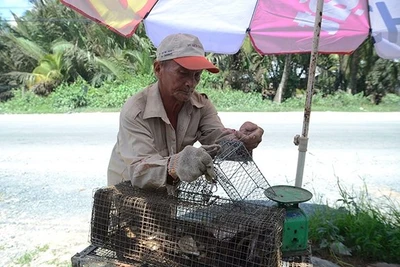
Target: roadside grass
59 263
358 228
81 97
29 256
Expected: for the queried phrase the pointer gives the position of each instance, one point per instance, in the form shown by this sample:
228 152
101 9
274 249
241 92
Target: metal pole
302 141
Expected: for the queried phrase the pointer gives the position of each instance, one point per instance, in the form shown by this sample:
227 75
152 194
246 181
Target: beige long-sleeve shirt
146 138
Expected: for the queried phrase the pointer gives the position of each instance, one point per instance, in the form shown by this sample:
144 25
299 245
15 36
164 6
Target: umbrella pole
302 141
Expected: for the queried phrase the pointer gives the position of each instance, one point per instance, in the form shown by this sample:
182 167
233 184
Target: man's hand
212 150
250 134
191 163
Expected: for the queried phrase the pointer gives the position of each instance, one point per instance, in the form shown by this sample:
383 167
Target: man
160 124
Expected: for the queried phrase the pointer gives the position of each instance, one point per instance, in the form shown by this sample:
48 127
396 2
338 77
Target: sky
16 6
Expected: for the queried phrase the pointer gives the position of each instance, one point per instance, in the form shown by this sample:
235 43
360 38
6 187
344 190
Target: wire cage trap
238 177
161 230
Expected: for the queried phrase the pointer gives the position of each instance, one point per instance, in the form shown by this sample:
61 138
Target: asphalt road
50 166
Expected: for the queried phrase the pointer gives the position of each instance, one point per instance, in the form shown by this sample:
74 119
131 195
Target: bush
391 99
114 95
233 100
81 96
367 227
72 96
110 95
26 102
211 80
341 101
295 102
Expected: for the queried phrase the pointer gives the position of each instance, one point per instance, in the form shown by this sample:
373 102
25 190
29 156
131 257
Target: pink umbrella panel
274 26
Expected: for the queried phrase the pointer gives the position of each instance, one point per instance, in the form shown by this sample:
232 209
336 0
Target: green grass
29 256
81 97
228 100
58 263
368 228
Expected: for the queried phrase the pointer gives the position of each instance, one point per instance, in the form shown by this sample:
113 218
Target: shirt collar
155 107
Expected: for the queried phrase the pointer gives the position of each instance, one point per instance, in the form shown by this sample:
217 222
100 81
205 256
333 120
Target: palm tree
284 79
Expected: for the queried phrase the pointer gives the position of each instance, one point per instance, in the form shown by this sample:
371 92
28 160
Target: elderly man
160 124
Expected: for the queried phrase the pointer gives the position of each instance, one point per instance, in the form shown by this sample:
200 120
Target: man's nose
191 81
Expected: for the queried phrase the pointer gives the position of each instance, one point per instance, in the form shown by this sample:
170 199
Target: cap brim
196 63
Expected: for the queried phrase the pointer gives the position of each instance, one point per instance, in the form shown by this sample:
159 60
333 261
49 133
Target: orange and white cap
186 50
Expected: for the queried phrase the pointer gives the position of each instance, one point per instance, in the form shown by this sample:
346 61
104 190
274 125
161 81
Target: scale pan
287 194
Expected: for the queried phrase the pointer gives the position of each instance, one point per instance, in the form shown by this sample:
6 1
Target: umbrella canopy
274 27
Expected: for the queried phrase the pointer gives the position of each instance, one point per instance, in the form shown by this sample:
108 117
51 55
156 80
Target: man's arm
145 166
213 131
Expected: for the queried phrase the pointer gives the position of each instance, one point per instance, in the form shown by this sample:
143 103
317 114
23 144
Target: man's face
176 81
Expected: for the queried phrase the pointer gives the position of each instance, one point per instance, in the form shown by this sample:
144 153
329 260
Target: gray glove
212 150
191 163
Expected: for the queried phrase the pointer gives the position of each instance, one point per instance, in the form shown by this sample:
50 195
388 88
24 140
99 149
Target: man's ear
156 68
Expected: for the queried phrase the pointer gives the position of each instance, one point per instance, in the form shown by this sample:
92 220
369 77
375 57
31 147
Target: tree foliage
51 44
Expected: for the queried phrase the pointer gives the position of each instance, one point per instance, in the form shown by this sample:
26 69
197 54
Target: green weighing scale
295 226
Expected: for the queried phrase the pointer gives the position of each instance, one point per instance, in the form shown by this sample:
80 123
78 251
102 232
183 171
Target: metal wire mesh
158 229
101 257
238 177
